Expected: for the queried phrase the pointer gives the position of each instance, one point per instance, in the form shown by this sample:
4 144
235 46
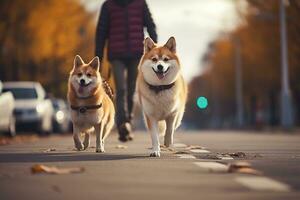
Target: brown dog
162 91
91 107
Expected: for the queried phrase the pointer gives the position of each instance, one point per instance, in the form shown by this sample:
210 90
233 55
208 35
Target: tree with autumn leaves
259 39
39 40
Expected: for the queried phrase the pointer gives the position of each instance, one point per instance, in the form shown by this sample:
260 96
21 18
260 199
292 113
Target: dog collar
159 88
83 109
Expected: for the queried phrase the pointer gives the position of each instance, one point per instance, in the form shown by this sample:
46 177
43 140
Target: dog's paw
86 144
155 154
100 150
79 146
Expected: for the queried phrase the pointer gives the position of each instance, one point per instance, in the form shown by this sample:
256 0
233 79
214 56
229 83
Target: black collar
83 109
159 88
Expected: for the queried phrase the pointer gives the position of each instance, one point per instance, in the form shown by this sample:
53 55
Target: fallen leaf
181 152
56 188
164 148
119 146
257 156
194 147
238 154
35 169
167 149
248 171
209 156
240 164
243 167
49 150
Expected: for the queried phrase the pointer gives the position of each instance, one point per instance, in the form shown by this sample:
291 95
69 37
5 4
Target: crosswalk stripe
212 166
226 158
186 156
179 145
263 184
199 151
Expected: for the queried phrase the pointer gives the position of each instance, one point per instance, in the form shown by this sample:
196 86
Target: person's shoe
125 132
128 126
123 138
130 136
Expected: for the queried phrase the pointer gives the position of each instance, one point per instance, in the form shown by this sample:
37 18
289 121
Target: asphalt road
180 173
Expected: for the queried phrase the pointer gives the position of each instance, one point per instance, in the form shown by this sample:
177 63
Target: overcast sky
194 23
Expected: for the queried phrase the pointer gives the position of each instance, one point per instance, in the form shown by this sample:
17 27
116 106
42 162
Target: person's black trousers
125 74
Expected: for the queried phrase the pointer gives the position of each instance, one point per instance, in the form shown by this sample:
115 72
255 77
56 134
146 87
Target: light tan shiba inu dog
91 105
161 90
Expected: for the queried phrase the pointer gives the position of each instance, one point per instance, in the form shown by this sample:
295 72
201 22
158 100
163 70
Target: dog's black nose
160 67
82 82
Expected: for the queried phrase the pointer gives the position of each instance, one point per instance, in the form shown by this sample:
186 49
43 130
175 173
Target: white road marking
179 145
186 156
212 166
199 151
226 158
263 184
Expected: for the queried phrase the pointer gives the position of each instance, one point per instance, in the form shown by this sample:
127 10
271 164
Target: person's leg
118 68
132 67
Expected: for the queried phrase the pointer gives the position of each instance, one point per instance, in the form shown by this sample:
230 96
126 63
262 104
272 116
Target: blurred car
7 119
32 108
61 116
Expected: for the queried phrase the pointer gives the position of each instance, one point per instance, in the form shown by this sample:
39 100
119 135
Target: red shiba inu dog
162 91
92 108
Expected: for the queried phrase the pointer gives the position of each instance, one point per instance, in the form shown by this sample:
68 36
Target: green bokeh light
202 102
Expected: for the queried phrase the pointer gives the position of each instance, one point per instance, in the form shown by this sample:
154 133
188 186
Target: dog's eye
166 59
79 74
89 75
154 59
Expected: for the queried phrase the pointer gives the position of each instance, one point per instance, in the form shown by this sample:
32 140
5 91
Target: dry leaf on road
167 149
182 152
194 147
164 148
243 167
119 146
247 170
35 169
49 150
238 154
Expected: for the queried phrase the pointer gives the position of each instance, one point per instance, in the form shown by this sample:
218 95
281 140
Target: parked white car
7 119
31 105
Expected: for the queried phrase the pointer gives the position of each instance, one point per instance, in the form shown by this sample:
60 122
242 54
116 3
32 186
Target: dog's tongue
160 75
80 90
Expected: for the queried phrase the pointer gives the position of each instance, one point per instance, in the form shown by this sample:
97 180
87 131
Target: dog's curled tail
108 89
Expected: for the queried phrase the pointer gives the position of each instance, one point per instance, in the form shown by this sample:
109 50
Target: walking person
121 23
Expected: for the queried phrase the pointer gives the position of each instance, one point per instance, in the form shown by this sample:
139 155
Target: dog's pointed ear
148 44
171 44
78 61
95 63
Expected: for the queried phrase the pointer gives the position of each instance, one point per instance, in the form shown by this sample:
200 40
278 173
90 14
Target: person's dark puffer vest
122 23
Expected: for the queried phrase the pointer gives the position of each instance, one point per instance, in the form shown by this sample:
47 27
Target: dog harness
83 109
159 88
